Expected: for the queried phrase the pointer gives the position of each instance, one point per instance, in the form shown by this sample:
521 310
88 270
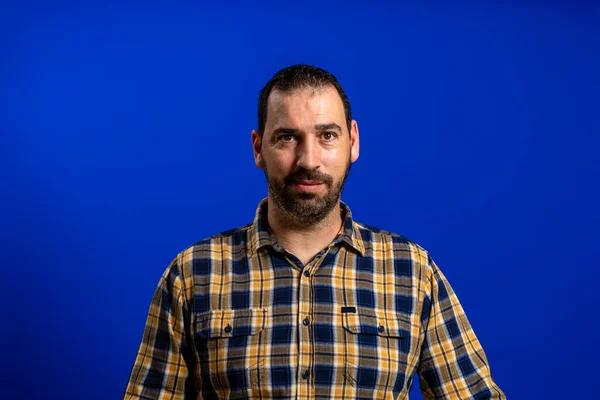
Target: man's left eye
328 135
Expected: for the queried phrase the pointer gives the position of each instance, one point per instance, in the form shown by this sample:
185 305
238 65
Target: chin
307 196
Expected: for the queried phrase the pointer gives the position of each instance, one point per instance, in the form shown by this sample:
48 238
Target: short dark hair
295 77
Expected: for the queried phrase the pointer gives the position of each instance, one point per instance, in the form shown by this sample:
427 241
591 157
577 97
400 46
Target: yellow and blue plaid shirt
236 316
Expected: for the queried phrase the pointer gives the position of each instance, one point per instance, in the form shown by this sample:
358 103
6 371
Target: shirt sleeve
161 368
453 364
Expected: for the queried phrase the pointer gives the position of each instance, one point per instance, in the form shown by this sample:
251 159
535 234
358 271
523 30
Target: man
305 302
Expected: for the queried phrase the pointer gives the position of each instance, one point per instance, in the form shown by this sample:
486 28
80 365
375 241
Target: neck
303 241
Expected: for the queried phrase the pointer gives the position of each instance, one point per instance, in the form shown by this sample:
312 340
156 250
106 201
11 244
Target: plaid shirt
236 316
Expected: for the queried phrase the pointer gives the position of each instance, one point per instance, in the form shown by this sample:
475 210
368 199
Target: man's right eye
286 138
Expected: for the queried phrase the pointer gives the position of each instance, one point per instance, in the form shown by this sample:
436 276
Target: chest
343 324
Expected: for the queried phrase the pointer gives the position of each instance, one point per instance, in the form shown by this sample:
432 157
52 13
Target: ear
256 147
354 141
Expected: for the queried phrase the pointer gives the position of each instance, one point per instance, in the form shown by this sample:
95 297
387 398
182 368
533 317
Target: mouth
310 186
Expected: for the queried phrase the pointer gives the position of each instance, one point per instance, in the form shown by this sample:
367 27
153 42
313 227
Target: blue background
125 137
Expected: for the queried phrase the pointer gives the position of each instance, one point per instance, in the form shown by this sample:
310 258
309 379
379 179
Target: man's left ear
354 141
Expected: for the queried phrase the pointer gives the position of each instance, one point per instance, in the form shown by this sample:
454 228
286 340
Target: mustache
308 175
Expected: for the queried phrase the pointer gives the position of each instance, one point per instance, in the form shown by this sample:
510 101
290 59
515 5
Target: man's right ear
256 148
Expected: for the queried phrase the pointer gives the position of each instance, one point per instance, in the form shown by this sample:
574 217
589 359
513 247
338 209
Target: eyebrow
285 131
321 127
328 127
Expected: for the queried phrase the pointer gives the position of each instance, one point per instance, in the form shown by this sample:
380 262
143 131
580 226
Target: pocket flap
373 322
230 323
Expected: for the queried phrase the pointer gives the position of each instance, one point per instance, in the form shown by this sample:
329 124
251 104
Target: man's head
305 143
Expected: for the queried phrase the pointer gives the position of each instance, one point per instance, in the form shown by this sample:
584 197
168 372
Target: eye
285 138
328 136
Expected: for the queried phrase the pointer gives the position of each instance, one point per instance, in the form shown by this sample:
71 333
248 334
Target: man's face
306 152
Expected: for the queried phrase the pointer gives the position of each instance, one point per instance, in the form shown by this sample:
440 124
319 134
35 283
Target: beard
305 209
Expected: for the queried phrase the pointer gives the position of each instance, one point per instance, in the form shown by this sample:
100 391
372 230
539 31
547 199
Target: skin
305 152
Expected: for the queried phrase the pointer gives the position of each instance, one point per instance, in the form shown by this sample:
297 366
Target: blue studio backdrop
125 137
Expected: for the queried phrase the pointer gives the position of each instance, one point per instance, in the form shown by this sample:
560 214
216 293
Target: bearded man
305 302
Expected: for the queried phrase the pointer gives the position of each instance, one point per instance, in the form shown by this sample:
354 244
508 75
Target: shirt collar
260 235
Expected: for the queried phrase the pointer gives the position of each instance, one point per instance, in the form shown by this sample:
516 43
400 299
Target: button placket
304 331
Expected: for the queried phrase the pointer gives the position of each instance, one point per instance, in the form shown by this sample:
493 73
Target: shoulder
231 235
402 246
223 245
236 237
370 230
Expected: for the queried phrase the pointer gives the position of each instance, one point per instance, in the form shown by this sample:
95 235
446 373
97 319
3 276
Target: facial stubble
306 209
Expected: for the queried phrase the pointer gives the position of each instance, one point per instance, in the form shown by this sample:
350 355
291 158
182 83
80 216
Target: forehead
304 106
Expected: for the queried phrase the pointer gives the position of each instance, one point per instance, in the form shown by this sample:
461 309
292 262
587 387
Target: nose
309 154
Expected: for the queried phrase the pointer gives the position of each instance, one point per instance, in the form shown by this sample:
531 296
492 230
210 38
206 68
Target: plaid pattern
236 316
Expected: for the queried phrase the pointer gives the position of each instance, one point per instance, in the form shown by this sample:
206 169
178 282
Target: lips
308 186
308 182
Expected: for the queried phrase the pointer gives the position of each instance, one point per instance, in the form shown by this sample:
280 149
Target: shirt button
306 274
305 374
380 328
227 329
305 321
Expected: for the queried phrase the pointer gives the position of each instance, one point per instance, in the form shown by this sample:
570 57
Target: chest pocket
230 323
378 346
227 343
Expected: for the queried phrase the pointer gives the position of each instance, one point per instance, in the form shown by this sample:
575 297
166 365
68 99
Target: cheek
276 163
335 159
